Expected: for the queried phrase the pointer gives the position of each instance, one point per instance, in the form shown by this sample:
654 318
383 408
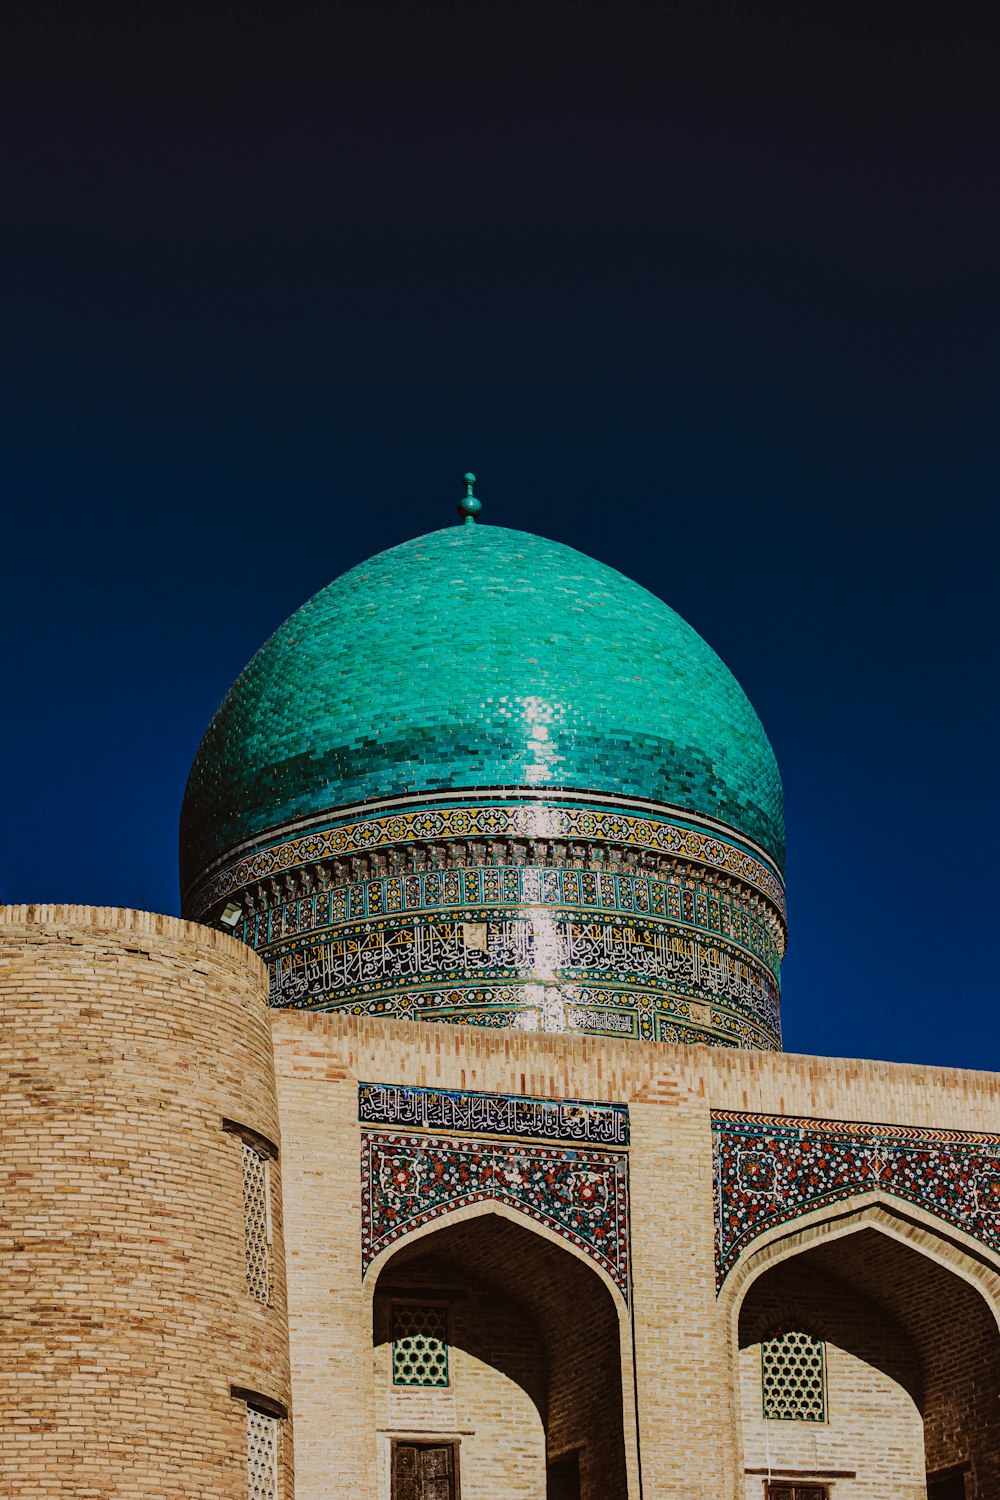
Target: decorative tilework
405 825
406 957
478 657
771 1169
274 915
408 1180
493 1114
540 933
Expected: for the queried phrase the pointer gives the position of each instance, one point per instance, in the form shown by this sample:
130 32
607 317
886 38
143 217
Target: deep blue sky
709 292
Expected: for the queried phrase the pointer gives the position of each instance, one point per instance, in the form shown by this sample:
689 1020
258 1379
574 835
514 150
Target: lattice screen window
419 1345
257 1222
263 1433
793 1378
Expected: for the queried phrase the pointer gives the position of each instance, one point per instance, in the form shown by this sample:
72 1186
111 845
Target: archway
869 1366
498 1368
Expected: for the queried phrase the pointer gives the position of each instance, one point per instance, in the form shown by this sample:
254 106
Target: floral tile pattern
770 1169
409 1178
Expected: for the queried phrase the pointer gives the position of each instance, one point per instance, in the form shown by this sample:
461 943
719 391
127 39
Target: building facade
446 1144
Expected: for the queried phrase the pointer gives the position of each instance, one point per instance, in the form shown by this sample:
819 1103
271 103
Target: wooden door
424 1471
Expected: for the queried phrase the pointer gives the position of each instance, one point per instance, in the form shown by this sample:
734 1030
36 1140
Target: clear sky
707 291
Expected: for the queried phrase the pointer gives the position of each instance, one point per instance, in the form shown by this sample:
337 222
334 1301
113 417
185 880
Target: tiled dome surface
479 657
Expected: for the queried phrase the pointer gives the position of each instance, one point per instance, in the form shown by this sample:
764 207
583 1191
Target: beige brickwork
873 1433
688 1429
125 1039
494 1403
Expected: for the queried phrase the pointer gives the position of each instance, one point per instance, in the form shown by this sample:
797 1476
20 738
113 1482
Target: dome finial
469 507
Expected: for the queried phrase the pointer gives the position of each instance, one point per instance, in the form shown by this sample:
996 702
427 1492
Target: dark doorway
563 1482
784 1491
947 1484
424 1471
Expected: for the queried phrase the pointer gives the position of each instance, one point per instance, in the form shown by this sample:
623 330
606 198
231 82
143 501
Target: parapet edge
127 919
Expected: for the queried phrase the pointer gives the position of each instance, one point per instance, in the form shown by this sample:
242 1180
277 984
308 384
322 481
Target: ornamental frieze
571 1120
772 1169
271 915
399 957
504 821
565 1008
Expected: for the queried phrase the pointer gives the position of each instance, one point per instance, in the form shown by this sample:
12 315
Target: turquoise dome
478 657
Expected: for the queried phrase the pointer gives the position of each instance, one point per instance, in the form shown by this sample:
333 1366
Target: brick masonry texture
687 1428
477 656
873 1385
125 1039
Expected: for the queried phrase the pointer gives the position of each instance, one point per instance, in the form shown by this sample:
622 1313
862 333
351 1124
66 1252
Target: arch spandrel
578 1197
775 1171
485 1209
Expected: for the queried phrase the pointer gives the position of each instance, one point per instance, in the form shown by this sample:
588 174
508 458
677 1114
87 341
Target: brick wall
874 1387
688 1428
575 1379
495 1401
125 1038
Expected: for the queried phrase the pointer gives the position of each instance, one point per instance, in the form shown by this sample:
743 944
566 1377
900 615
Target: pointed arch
489 1250
913 1226
899 1294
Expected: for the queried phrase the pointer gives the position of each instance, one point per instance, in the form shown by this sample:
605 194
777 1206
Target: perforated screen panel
262 1455
419 1345
793 1378
257 1223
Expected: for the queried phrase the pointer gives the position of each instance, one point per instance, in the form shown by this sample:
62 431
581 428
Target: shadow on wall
486 1330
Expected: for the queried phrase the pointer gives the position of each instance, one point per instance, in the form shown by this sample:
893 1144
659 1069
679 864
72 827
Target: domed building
445 1149
484 778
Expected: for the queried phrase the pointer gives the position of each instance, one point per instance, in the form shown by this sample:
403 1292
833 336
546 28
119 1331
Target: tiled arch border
558 1163
534 1180
922 1232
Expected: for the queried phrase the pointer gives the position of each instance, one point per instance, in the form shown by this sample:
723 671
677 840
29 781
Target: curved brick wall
125 1039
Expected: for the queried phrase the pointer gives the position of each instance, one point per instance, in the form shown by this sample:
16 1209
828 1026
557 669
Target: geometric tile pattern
419 822
670 892
541 932
771 1169
793 1378
419 1345
410 1180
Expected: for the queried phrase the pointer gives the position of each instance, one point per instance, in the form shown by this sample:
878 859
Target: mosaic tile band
492 820
771 1169
562 1009
409 1180
578 1120
285 909
640 959
538 932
